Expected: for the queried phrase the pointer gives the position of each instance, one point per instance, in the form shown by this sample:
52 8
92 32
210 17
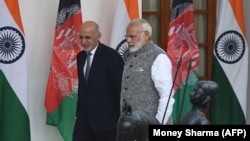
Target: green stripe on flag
179 110
225 107
14 121
182 103
64 116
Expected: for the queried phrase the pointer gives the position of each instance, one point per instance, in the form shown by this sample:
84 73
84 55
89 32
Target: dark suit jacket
99 99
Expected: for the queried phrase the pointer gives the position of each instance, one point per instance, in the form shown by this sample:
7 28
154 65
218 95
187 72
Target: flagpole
185 89
176 73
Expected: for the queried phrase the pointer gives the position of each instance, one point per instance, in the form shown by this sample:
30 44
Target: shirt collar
94 50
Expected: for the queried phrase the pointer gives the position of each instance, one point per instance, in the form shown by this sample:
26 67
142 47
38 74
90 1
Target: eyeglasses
132 36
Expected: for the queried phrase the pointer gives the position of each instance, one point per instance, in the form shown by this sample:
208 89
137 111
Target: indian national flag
61 93
230 66
14 110
183 52
126 10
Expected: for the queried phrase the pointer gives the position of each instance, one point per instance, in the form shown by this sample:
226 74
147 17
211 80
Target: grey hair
145 26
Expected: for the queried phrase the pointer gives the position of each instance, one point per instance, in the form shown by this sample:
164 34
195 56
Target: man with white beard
147 76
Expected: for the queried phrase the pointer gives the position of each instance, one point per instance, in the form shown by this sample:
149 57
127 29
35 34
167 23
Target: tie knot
89 53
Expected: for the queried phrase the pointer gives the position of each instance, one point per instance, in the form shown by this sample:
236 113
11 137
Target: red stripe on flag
182 43
63 72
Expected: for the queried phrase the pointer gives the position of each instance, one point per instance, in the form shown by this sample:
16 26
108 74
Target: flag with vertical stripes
126 10
183 52
14 110
61 92
230 65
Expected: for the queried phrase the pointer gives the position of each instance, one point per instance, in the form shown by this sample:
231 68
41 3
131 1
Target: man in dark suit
98 107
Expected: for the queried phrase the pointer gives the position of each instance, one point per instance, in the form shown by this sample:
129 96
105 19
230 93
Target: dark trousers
84 132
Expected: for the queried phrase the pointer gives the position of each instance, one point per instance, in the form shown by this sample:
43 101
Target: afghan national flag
14 110
126 10
61 93
230 66
183 51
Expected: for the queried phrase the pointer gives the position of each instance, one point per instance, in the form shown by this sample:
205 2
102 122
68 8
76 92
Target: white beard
137 46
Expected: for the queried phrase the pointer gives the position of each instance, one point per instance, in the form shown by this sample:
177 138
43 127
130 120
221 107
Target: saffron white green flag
14 116
126 10
230 66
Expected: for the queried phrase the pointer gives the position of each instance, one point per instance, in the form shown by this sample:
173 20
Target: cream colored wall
247 25
39 18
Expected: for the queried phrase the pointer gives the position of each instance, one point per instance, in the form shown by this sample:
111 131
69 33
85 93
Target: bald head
90 35
90 25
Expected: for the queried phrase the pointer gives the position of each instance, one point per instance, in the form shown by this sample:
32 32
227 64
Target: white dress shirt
162 77
91 58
